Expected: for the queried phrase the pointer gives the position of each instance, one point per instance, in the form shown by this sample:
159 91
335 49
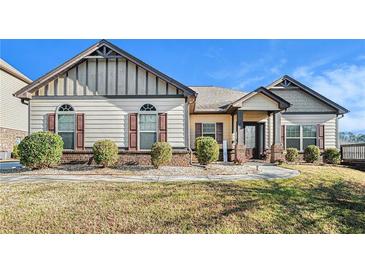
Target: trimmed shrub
311 154
41 149
15 152
207 150
291 154
332 156
161 154
105 153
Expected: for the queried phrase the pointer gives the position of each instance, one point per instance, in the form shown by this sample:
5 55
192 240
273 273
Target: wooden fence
353 153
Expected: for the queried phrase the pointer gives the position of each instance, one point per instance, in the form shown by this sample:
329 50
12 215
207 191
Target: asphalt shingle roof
215 99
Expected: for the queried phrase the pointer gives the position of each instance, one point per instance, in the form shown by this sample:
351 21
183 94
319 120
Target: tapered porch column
277 151
240 149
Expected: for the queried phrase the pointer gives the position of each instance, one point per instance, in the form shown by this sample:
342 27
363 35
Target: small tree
105 153
207 150
41 149
311 154
291 154
332 156
161 153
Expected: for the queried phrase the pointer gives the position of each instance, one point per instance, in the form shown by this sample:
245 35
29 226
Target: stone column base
277 153
240 154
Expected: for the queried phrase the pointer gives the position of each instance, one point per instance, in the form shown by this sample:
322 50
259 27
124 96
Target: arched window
147 126
66 125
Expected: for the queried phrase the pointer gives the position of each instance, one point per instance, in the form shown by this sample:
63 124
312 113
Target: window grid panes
66 129
208 130
309 135
147 127
300 137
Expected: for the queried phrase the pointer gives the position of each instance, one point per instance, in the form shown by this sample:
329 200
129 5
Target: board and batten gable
107 118
110 77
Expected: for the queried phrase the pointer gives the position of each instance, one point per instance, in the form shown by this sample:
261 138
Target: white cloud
344 85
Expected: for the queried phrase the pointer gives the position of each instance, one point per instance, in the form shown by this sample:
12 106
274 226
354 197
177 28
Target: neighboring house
106 93
13 114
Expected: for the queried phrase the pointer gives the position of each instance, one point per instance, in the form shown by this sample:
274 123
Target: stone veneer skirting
8 138
179 157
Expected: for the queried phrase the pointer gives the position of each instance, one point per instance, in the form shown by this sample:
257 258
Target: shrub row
44 149
312 154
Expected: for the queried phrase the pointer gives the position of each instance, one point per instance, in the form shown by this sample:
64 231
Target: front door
254 139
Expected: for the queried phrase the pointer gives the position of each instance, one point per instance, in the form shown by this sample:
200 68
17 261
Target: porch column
240 149
277 148
240 130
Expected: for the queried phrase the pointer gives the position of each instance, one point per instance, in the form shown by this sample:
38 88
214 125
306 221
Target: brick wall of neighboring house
9 137
179 158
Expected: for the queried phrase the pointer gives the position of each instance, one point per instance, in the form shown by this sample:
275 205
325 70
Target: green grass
321 200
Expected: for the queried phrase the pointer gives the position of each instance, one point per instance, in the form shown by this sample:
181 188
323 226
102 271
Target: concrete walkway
265 172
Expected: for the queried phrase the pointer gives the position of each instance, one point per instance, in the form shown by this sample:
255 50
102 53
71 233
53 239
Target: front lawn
321 200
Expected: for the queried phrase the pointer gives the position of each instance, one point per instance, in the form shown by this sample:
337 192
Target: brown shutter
320 136
283 135
198 130
219 133
80 131
51 122
162 127
133 124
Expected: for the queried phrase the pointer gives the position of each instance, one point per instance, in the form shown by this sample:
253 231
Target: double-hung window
301 136
66 125
209 130
147 126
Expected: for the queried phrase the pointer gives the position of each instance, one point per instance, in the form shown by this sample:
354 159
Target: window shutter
320 136
283 135
198 130
162 127
132 142
80 131
219 133
51 122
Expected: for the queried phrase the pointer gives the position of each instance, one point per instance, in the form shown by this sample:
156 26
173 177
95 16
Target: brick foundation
277 153
240 154
8 138
179 158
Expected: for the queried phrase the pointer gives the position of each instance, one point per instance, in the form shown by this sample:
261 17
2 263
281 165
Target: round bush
105 153
15 152
207 150
161 153
41 149
332 156
291 154
311 154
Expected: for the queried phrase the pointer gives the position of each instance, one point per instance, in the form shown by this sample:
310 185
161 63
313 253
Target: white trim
141 112
73 112
301 137
215 129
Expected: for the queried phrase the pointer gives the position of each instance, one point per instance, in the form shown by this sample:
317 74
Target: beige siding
108 118
328 120
259 102
301 101
13 114
212 118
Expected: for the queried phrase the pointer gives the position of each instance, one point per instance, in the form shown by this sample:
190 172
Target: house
106 93
13 114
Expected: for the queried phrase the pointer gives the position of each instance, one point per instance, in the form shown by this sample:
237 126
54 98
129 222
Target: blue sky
335 68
